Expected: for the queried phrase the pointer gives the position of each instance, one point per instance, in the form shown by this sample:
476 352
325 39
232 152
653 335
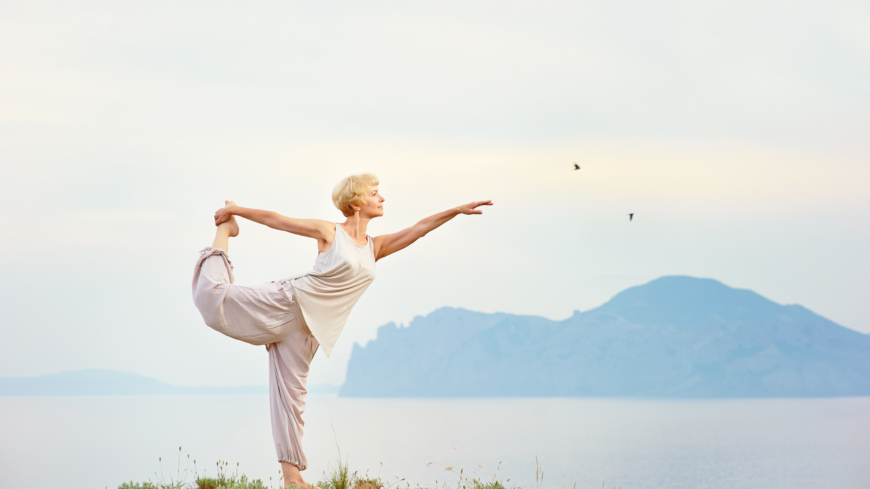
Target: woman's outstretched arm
322 231
388 244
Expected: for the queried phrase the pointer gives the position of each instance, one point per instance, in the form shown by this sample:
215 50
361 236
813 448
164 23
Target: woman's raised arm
388 244
322 231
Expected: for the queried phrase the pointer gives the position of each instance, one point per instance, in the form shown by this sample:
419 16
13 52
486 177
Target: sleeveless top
327 293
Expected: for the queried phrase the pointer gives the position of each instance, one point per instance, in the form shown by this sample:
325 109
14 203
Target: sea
535 443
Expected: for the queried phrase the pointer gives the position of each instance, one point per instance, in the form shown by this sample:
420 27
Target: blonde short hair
352 190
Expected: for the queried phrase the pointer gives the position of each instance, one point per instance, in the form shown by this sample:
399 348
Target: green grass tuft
137 485
340 477
232 482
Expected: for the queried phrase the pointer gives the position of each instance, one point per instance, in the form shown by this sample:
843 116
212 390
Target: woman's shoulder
329 228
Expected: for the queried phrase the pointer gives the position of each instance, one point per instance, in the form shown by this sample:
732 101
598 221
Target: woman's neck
356 226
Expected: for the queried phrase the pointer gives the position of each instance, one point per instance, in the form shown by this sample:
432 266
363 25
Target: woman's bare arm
322 231
388 244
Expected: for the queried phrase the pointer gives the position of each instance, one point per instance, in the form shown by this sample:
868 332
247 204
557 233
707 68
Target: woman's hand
224 214
472 208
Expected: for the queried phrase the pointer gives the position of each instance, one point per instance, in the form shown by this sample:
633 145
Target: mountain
674 337
101 382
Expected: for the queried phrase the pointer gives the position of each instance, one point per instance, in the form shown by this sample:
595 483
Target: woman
295 316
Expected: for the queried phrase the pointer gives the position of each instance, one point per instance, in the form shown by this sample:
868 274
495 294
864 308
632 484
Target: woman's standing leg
289 363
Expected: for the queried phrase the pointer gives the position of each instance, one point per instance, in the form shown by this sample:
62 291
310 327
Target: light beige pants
268 315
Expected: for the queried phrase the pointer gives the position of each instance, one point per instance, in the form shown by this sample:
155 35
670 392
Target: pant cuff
208 250
293 462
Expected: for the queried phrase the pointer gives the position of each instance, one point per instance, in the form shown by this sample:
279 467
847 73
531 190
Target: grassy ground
339 477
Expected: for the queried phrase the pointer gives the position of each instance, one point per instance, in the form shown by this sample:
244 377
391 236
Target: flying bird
630 217
576 166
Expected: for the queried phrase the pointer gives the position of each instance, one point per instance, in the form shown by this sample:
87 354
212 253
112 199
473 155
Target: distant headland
674 337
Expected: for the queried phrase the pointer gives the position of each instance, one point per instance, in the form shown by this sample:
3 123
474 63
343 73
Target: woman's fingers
473 207
220 217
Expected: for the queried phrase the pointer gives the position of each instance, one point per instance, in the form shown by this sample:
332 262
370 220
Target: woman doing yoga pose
295 316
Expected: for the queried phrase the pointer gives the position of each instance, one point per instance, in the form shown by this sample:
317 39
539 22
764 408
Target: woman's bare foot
292 477
299 485
228 219
228 227
232 227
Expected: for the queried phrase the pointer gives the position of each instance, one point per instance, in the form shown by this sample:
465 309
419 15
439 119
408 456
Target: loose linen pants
268 315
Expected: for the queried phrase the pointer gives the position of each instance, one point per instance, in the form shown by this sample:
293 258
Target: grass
223 479
338 477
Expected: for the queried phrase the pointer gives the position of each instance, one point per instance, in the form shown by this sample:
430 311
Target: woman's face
374 206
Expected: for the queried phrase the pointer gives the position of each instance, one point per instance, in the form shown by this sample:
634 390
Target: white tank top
327 293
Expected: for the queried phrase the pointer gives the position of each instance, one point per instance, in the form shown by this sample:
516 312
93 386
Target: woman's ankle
231 227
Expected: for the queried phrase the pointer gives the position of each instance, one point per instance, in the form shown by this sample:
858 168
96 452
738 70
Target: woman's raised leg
225 231
259 314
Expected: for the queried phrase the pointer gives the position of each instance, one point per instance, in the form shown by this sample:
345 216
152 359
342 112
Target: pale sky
737 132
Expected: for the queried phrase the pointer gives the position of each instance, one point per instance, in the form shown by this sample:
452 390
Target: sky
736 132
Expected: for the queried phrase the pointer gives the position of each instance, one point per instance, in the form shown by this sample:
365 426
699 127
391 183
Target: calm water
90 442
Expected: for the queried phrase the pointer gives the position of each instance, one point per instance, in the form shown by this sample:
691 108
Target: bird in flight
576 166
631 216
